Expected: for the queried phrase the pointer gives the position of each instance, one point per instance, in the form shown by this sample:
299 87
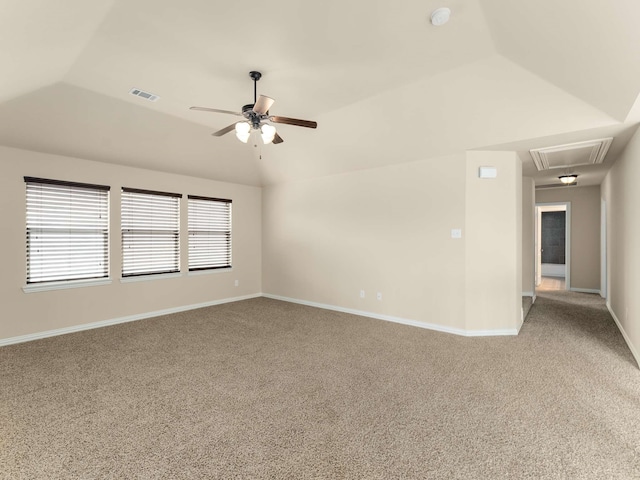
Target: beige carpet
265 389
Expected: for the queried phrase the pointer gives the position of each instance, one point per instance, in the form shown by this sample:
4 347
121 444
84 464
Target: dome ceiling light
568 179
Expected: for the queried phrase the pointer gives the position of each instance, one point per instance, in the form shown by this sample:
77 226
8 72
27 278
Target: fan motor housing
252 116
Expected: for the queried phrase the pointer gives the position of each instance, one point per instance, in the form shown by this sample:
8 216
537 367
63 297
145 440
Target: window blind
150 232
67 230
209 233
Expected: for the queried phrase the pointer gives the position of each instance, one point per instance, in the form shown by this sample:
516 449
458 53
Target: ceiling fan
257 118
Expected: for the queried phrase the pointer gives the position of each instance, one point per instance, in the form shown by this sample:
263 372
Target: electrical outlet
361 293
379 296
237 282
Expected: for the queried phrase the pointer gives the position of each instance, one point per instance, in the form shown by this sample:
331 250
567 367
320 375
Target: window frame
76 226
150 272
193 232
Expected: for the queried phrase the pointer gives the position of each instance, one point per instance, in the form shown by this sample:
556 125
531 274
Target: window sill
209 271
144 278
43 287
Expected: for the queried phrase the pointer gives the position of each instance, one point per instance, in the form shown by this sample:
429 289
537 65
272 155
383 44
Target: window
150 232
67 231
209 233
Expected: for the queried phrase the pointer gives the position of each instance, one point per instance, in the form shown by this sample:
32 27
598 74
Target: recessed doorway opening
553 222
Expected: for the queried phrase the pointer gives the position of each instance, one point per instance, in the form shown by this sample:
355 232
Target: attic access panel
571 155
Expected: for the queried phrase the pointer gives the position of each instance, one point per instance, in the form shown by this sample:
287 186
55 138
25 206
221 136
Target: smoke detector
440 16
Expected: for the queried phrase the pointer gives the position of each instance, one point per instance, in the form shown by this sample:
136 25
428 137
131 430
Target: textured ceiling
384 85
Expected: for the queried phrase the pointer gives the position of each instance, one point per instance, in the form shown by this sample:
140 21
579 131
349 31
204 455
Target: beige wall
388 230
384 230
585 232
28 313
493 242
528 232
622 195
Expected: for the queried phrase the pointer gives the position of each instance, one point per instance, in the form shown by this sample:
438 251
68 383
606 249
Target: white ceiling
384 85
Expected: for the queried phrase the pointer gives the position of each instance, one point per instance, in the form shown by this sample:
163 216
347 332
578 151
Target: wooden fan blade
215 110
224 131
277 139
294 121
263 105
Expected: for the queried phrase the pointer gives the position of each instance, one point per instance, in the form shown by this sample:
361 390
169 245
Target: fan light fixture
243 130
568 179
268 133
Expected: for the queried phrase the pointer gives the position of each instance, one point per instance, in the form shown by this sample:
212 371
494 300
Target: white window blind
209 233
67 230
150 232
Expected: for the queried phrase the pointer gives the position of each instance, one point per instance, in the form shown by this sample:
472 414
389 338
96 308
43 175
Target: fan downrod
255 76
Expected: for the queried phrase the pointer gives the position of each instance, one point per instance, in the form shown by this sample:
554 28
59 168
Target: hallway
580 319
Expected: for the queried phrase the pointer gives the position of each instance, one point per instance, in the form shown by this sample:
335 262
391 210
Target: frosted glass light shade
268 133
243 130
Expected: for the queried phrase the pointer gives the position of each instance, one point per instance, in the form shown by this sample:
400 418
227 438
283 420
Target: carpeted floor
266 389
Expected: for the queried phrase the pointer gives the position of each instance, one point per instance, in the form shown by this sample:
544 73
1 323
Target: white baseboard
184 308
585 290
404 321
115 321
634 352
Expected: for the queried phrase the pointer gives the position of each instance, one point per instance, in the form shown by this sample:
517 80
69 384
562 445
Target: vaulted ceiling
384 84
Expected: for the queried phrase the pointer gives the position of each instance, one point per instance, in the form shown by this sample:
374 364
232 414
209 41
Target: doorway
553 246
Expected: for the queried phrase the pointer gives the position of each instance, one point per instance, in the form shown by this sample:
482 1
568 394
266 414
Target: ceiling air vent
571 155
146 95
